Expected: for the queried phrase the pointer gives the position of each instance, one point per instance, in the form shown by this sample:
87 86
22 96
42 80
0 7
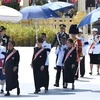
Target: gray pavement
87 88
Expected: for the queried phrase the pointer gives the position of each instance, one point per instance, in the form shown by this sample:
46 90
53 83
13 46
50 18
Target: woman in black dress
11 66
69 62
38 63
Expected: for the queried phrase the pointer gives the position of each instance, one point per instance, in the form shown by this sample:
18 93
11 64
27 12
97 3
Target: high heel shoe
18 91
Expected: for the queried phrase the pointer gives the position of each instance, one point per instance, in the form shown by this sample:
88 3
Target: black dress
11 76
69 72
39 76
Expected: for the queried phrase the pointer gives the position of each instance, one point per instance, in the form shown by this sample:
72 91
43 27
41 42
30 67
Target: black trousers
46 72
82 66
75 71
58 74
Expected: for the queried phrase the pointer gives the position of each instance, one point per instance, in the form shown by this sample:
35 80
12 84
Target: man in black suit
4 38
59 35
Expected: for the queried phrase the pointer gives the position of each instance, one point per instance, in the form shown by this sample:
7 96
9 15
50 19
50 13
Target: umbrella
59 6
37 12
90 17
9 14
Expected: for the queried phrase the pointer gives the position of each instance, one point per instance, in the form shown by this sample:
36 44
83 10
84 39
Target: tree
40 2
12 3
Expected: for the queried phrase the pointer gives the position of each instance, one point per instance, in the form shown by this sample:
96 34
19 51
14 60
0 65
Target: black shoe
82 75
2 91
18 91
97 73
7 94
36 92
46 90
90 73
73 88
56 85
65 86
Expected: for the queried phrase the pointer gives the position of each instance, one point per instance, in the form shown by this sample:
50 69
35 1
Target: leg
73 86
58 76
91 68
76 71
2 82
98 69
7 94
46 72
18 89
82 67
64 80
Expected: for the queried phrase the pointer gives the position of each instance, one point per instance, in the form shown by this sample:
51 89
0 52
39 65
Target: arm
57 50
44 57
74 57
17 59
64 56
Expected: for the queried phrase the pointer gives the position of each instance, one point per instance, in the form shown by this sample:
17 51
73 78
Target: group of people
70 51
9 63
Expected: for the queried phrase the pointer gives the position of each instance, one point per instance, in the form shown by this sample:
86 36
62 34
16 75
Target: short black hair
12 42
43 34
70 40
40 40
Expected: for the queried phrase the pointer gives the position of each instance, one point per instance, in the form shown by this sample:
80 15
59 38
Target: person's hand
3 71
73 65
14 69
42 68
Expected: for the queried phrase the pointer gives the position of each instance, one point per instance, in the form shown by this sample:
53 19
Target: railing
53 22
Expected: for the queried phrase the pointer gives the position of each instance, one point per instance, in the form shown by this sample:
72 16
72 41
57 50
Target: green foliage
14 5
25 35
40 2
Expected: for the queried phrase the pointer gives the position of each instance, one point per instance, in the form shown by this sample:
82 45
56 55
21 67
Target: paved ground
87 88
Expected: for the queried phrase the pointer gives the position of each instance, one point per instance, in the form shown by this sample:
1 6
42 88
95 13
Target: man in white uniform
60 53
85 46
94 50
2 76
47 46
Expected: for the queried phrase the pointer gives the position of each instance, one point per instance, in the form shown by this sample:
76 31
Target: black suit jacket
5 42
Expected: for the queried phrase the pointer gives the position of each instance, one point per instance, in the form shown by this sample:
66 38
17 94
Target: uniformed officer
59 35
85 45
94 50
3 36
73 31
60 52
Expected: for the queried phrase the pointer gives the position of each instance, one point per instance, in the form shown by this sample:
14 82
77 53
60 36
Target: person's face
63 41
69 44
43 37
10 46
94 33
39 44
73 35
79 34
3 32
62 29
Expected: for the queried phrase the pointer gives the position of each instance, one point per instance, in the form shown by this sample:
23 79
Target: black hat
73 29
62 25
2 28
